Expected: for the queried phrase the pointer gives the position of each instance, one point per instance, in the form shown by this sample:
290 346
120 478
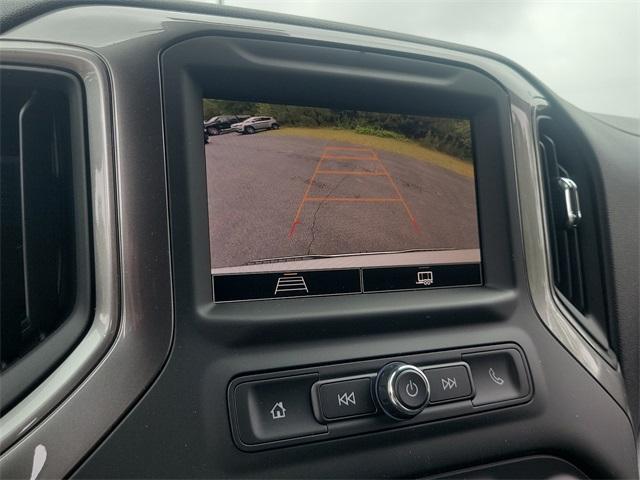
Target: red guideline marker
292 230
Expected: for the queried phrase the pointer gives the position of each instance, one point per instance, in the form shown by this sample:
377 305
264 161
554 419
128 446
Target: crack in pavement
315 214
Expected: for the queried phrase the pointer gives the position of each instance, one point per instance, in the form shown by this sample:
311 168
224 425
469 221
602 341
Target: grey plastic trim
536 249
129 337
101 333
17 380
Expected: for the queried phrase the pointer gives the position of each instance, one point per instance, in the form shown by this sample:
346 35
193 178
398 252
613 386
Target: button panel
327 402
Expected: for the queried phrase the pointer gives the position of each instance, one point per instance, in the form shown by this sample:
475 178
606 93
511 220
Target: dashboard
390 257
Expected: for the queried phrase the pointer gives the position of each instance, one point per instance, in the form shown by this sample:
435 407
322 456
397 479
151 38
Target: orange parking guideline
351 172
352 199
360 149
384 172
349 157
406 207
296 220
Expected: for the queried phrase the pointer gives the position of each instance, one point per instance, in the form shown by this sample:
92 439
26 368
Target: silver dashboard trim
532 211
572 212
390 389
72 409
17 421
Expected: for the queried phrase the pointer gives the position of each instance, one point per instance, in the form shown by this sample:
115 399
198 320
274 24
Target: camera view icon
291 282
425 278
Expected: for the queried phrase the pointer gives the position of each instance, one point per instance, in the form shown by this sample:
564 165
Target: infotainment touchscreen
306 201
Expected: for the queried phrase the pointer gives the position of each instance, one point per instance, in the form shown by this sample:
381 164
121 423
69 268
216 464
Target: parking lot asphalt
279 196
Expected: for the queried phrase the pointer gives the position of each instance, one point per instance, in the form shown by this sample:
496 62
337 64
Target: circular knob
402 390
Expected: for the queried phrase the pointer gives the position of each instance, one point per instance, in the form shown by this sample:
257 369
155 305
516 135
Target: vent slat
37 219
46 277
564 242
572 229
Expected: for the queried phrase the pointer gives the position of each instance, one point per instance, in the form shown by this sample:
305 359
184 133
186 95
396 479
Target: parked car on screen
253 124
222 123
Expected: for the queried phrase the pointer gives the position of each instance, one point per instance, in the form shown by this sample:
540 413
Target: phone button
498 376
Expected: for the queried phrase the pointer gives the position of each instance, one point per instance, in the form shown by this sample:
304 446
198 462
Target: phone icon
496 379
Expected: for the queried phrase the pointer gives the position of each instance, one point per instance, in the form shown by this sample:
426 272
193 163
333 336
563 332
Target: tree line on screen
448 135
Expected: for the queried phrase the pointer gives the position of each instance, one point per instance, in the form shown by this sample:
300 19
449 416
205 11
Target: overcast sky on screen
587 52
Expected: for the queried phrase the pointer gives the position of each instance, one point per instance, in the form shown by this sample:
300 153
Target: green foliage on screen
448 135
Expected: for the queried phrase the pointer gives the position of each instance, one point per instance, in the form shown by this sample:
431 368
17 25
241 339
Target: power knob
402 390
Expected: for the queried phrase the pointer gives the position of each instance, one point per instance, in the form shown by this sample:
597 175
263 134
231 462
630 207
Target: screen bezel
394 82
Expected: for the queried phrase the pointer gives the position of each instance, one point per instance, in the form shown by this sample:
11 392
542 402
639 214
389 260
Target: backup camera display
312 201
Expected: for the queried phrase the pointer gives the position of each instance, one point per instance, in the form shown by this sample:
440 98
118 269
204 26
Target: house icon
278 411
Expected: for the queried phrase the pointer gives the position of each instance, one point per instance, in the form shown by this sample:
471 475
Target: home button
277 409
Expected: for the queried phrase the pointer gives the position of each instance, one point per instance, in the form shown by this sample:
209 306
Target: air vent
572 225
563 225
45 268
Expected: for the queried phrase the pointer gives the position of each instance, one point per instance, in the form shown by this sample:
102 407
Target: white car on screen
253 124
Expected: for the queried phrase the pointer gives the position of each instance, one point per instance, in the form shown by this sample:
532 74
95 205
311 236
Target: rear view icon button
425 278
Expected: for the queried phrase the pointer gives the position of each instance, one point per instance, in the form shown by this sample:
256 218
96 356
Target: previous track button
346 398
